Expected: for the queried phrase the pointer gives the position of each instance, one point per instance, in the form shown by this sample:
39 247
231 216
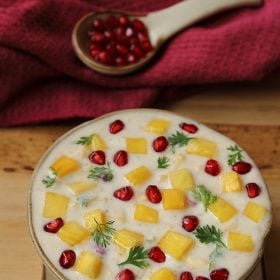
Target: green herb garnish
235 156
50 180
216 253
163 162
105 173
103 233
84 140
203 195
137 256
178 139
84 201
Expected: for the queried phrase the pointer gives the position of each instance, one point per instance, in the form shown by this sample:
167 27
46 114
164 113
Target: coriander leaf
204 195
84 140
235 156
103 233
178 139
163 162
137 256
50 180
105 173
209 234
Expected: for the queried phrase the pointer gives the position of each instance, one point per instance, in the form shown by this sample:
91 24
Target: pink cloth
41 79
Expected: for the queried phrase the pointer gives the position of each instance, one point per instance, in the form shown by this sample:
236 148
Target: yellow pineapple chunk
127 238
173 199
181 179
145 214
97 143
223 210
202 147
158 126
163 274
65 165
231 182
138 176
88 264
240 242
81 187
136 145
92 216
175 244
72 233
254 211
55 205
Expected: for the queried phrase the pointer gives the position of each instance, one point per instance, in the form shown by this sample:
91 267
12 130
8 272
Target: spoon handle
165 23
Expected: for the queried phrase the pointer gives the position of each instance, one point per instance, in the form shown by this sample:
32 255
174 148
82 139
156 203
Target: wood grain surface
247 113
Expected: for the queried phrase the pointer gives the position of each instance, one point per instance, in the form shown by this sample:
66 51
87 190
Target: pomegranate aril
124 194
96 47
97 37
242 167
186 275
129 32
219 274
54 225
120 61
191 128
98 25
160 144
157 255
153 194
142 37
67 259
112 22
94 54
110 35
122 49
116 126
125 274
111 49
212 167
190 223
253 190
137 51
131 58
121 158
123 20
97 157
147 46
106 58
138 26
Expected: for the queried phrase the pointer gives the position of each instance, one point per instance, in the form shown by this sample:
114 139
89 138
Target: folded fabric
41 79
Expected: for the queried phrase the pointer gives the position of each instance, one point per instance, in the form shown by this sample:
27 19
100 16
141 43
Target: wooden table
248 113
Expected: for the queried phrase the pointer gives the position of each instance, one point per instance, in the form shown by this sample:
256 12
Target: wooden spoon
161 26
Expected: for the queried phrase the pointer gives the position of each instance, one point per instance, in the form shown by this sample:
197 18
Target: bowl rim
34 239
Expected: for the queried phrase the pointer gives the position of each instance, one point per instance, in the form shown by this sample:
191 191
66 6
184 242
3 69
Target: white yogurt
197 259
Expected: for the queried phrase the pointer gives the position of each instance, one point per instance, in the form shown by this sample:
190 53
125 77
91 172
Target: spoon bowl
161 25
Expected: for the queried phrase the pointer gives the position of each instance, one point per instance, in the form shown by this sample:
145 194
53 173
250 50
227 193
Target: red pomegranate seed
137 51
110 35
186 275
94 54
123 20
191 128
253 190
190 223
54 225
129 32
142 37
212 167
111 49
95 47
120 31
201 278
147 46
138 26
120 61
105 58
219 274
153 194
116 126
97 157
98 25
121 158
67 259
125 274
157 255
122 49
97 37
242 167
124 194
160 144
131 58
